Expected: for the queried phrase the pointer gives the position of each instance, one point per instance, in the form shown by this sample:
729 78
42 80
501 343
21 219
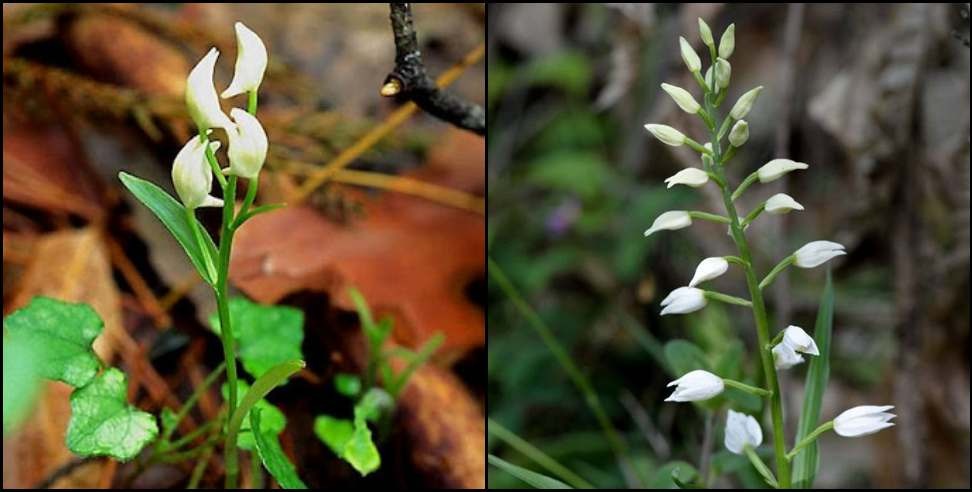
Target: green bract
274 420
104 424
273 458
65 331
267 335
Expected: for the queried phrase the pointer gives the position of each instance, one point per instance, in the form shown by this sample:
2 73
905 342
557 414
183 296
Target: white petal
671 220
201 97
690 177
251 62
683 300
816 253
709 269
695 386
666 134
798 340
776 168
192 176
782 203
863 420
784 357
247 145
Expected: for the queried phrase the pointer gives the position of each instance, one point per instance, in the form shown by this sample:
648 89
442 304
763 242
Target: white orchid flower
709 269
666 134
683 300
201 97
781 203
247 145
251 62
696 385
683 98
816 253
784 357
798 340
192 176
742 430
744 104
689 177
863 420
670 221
776 168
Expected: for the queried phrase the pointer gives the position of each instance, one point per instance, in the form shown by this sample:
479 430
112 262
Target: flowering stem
747 388
726 298
697 146
752 215
771 276
251 102
211 158
742 186
759 313
826 426
695 214
225 326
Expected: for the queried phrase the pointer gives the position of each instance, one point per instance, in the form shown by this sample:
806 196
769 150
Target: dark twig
410 80
63 471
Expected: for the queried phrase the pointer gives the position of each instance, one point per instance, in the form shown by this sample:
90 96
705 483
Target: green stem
698 78
826 426
256 471
226 327
194 225
745 387
697 146
742 186
251 191
752 215
251 102
777 339
581 382
191 402
735 260
197 471
726 298
695 214
759 313
726 125
213 163
729 154
771 276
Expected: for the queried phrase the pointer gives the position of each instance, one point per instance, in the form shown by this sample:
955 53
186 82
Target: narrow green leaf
532 478
538 456
268 335
806 463
761 467
104 424
276 376
273 458
173 216
274 420
64 332
360 450
364 313
333 432
347 384
426 351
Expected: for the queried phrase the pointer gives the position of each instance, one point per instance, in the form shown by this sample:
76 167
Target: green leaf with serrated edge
360 451
21 380
806 463
173 216
104 424
663 476
273 458
267 335
375 402
426 351
333 432
274 420
347 384
532 478
64 332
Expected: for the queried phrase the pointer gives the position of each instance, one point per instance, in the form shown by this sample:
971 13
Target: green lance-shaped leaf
104 424
806 463
267 335
532 478
274 420
399 382
273 458
174 217
62 332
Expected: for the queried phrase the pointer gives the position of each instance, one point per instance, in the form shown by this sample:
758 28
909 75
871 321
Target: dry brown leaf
411 258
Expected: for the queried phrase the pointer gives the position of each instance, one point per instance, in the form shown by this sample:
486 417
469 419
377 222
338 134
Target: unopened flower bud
670 221
706 34
683 300
696 385
816 253
689 177
742 430
666 134
723 71
201 97
863 420
776 168
683 98
744 104
709 269
798 340
691 59
739 133
728 42
781 203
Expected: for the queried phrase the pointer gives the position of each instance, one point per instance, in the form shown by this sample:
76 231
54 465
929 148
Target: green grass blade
806 463
532 478
538 456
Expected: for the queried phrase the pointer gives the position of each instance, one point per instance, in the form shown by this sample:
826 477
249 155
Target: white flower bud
784 357
776 168
781 203
247 145
742 430
723 71
708 78
863 420
683 300
670 221
728 42
192 176
744 104
706 34
798 340
201 97
696 385
251 62
739 133
816 253
683 98
691 59
690 177
666 134
709 269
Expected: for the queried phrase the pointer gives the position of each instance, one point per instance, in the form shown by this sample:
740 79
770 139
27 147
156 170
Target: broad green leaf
21 380
62 332
373 404
268 335
806 463
274 420
273 458
532 478
173 216
333 432
663 477
347 384
401 380
104 424
360 450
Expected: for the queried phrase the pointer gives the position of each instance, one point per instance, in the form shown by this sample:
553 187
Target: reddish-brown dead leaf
411 258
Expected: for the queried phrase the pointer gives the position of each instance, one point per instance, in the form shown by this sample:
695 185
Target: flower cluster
787 349
192 171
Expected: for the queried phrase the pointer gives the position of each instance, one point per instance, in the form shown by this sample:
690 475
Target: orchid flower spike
693 177
192 176
201 97
798 340
863 420
683 300
709 269
742 430
251 62
247 145
816 253
670 221
784 357
696 385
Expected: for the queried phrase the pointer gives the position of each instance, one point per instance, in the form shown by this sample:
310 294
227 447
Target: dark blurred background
874 97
